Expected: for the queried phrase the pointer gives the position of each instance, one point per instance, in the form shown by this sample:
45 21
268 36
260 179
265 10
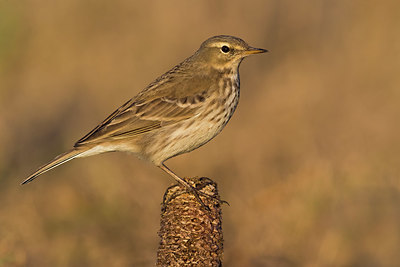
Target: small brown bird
180 111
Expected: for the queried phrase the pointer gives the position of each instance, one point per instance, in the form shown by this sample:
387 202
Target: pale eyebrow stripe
220 44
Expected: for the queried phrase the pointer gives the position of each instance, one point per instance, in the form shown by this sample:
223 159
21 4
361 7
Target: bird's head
224 51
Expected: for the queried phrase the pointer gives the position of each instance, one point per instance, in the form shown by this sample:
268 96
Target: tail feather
60 159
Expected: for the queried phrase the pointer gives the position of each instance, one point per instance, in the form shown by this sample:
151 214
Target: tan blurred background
309 163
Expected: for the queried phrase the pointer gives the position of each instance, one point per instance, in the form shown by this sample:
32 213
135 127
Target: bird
178 112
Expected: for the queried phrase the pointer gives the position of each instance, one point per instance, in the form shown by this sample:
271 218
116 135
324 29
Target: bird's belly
187 135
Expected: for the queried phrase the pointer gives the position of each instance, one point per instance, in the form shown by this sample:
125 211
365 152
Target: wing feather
132 120
171 98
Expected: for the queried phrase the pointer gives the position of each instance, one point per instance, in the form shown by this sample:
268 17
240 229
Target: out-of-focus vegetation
309 163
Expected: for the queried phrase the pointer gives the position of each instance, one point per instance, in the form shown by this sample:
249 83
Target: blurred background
309 163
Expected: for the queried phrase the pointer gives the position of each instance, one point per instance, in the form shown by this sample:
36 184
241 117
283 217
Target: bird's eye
225 49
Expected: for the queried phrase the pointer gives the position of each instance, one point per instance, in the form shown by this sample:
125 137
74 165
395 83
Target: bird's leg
186 184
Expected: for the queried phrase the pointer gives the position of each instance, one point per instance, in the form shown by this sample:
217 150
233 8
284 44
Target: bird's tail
60 159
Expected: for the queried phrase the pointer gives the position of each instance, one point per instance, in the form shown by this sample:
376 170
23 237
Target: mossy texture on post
190 234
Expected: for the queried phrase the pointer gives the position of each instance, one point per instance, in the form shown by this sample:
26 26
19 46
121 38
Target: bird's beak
252 50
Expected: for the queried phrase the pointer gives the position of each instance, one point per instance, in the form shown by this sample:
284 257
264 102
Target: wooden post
190 234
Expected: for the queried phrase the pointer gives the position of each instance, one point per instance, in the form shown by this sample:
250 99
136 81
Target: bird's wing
149 111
